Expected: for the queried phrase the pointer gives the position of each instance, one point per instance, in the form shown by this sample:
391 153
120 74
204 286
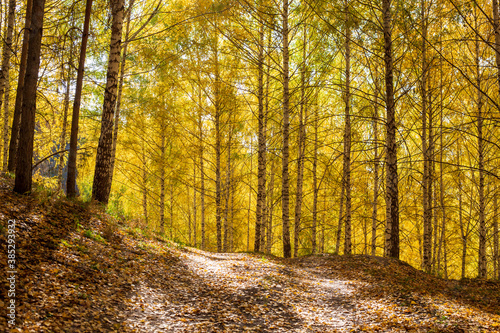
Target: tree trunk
217 105
249 196
73 142
231 236
301 150
270 209
144 185
496 257
16 120
4 79
261 176
171 209
315 184
62 142
227 195
25 149
123 60
102 176
285 191
202 170
496 28
426 182
341 217
162 175
392 204
482 272
347 137
194 206
376 162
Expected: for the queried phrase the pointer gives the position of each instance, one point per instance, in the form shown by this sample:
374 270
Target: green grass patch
94 236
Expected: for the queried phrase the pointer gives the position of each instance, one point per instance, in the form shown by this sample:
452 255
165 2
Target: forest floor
78 270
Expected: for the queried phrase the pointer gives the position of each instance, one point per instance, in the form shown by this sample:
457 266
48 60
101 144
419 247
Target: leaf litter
74 275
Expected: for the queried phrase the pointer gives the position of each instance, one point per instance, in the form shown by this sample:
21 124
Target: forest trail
80 270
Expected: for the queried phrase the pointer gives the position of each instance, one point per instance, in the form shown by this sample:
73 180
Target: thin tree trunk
73 141
261 176
427 222
217 119
231 243
270 209
496 28
16 120
323 225
482 271
227 195
189 217
376 162
341 218
202 170
25 150
162 176
102 176
144 186
347 137
496 257
315 184
285 191
62 142
123 60
194 206
171 209
392 204
301 150
5 79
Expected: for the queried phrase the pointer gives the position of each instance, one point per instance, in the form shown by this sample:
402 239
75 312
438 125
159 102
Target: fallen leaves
74 279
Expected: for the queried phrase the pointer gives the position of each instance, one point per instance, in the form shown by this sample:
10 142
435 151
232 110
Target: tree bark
4 79
496 257
482 271
73 142
163 135
315 184
261 176
144 186
285 182
102 175
123 60
25 149
426 182
16 120
62 141
270 209
227 195
194 206
347 136
217 116
341 217
376 162
392 204
496 31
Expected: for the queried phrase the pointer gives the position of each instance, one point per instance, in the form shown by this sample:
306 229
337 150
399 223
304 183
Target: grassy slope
79 271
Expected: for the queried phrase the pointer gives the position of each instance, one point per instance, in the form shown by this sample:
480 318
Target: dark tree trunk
73 142
4 79
25 150
392 204
285 192
16 121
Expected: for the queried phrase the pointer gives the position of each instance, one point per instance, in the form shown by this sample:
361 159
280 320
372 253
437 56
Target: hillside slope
78 271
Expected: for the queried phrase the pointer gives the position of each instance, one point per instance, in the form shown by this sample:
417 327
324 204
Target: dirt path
240 292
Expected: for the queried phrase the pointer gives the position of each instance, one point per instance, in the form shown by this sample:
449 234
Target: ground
79 270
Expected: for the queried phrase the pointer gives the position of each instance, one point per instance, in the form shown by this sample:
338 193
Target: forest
288 130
